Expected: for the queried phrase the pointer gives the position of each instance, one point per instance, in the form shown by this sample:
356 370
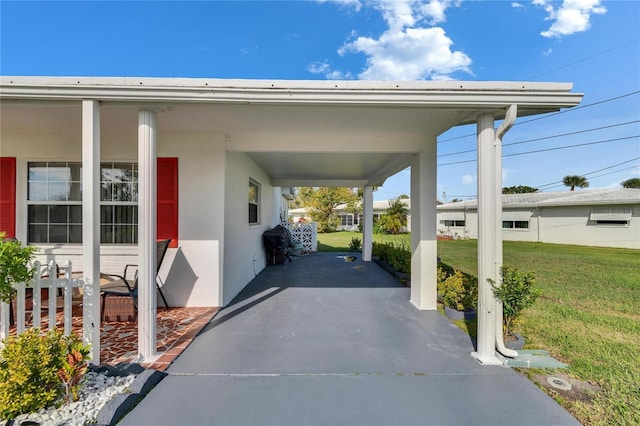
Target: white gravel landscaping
95 392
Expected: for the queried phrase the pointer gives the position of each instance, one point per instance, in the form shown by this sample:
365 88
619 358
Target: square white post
424 244
91 226
487 252
147 165
367 225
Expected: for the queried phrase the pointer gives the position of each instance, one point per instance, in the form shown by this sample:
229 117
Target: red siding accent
8 196
167 198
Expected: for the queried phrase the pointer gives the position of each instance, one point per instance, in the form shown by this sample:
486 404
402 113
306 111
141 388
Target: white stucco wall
191 272
571 225
244 255
562 225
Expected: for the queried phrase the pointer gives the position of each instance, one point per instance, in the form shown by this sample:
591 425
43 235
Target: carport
298 133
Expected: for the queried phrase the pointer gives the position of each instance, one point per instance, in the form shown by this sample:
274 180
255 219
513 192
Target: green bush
30 366
456 289
397 255
14 265
379 226
355 244
516 293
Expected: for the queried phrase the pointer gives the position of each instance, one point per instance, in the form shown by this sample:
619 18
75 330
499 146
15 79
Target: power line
547 137
595 171
548 149
583 59
553 114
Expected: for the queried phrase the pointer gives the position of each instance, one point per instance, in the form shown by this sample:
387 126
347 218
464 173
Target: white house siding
190 272
195 277
559 225
243 242
571 225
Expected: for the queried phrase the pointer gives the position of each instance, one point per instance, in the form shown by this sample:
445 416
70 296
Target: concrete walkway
322 341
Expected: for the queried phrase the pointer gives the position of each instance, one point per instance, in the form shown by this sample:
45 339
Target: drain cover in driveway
559 383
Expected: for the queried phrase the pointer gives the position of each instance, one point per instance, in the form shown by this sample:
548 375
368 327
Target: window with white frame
346 219
515 224
254 202
54 203
118 203
611 216
453 223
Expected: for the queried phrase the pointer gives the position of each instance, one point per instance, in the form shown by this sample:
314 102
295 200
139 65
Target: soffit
348 133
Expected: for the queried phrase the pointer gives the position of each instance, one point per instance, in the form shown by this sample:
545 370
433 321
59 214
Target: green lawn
339 241
588 315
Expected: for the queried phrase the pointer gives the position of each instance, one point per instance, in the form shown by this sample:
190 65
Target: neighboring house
95 169
597 217
348 220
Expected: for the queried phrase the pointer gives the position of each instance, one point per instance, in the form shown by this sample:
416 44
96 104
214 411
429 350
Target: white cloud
355 4
547 52
467 179
320 67
410 49
573 16
517 5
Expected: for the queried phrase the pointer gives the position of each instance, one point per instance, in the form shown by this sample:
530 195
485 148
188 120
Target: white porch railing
305 233
45 276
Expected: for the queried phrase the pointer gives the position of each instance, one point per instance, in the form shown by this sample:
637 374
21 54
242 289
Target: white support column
424 248
147 159
367 226
91 226
487 252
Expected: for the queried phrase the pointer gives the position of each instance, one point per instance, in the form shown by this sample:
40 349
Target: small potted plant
516 293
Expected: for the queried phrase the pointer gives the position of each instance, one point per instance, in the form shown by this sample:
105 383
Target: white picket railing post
4 321
21 313
36 296
53 294
68 295
52 283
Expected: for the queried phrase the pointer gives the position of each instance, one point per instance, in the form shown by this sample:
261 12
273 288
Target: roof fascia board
544 96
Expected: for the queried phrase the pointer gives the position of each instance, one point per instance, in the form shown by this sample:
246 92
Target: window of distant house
515 224
346 219
453 223
254 202
612 222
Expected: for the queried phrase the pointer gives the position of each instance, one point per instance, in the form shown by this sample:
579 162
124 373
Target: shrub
456 289
516 293
355 244
74 367
14 265
397 255
379 226
30 366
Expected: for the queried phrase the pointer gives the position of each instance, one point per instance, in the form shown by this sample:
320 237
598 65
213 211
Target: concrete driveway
322 341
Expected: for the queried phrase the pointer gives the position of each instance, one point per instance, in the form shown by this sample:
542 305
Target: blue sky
593 44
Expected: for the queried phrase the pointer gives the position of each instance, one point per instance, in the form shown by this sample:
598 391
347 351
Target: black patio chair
122 285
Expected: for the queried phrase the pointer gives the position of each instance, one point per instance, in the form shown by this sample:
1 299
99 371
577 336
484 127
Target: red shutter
8 196
167 189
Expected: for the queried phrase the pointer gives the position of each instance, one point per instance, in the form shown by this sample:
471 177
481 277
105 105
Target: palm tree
575 181
631 183
396 217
